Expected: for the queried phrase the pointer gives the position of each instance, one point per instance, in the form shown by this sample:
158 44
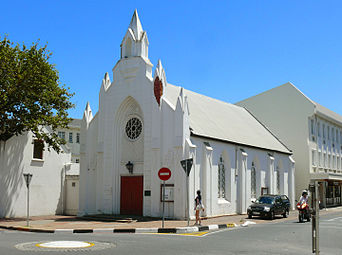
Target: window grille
278 180
253 181
133 128
221 179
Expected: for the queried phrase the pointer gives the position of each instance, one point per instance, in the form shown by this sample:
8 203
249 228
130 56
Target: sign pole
28 207
164 174
187 199
163 203
187 164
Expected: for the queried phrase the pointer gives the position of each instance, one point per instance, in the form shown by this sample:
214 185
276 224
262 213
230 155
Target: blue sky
228 50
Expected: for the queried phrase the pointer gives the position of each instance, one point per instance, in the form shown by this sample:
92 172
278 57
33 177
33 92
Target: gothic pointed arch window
253 181
278 179
221 179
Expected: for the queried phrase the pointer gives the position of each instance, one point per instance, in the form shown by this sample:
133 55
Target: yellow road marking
194 234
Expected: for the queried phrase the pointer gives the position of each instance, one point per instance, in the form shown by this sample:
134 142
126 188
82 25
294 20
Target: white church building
144 123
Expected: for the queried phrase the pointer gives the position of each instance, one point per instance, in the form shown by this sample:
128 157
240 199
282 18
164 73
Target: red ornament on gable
158 89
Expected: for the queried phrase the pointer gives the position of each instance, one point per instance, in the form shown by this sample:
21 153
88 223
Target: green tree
31 95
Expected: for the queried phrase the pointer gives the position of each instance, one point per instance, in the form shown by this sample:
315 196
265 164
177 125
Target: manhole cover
65 244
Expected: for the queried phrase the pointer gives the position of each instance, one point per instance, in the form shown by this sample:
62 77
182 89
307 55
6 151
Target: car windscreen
265 200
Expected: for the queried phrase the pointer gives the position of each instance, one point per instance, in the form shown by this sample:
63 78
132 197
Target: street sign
164 174
187 164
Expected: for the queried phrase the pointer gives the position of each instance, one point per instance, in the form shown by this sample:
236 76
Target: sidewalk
73 224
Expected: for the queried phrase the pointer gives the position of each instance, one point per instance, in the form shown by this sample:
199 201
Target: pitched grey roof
216 119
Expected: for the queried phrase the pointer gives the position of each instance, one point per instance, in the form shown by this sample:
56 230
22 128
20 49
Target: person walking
198 207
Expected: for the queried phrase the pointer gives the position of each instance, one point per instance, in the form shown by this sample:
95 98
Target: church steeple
135 42
135 25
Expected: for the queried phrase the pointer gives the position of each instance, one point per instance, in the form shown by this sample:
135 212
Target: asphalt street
287 237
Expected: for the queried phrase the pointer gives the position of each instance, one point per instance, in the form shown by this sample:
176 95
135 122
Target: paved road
287 237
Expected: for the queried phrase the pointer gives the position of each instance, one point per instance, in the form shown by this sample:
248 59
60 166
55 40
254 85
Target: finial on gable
87 115
106 81
159 81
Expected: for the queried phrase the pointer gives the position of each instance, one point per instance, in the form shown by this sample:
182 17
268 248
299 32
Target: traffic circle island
65 244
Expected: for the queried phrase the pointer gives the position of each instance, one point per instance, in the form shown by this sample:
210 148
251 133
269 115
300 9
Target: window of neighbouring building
312 127
328 133
313 158
77 160
221 178
70 137
324 159
38 148
319 129
78 138
333 135
253 181
61 134
323 131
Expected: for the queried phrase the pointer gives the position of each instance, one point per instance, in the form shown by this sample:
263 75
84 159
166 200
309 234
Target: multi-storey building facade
313 132
72 136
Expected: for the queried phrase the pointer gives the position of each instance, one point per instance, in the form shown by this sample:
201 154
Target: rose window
133 128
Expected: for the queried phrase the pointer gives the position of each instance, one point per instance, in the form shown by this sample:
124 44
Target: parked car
286 200
269 206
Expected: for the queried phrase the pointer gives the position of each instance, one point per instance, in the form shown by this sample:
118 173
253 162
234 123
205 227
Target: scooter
303 212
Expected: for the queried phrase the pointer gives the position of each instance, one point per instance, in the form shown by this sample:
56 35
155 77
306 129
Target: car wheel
286 213
249 216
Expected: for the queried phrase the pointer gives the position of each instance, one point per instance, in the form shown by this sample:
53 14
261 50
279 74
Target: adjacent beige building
313 132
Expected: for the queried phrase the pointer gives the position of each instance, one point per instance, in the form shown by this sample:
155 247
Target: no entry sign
164 174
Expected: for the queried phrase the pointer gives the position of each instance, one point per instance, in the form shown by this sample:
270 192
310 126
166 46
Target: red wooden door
131 197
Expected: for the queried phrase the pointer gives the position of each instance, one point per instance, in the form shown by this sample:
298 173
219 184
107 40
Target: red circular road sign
164 174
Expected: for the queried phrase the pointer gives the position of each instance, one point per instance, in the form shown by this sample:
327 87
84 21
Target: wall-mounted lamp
129 167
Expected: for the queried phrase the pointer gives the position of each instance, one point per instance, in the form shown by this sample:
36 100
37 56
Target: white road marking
334 219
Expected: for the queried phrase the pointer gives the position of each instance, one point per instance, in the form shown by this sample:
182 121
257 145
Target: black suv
269 206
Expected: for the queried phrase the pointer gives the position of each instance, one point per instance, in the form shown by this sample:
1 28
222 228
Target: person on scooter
304 199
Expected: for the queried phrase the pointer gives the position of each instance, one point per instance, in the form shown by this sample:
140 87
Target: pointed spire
88 115
160 72
136 26
106 81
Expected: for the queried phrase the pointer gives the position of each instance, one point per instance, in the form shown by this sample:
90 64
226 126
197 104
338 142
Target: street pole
28 178
163 203
28 207
187 199
317 217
